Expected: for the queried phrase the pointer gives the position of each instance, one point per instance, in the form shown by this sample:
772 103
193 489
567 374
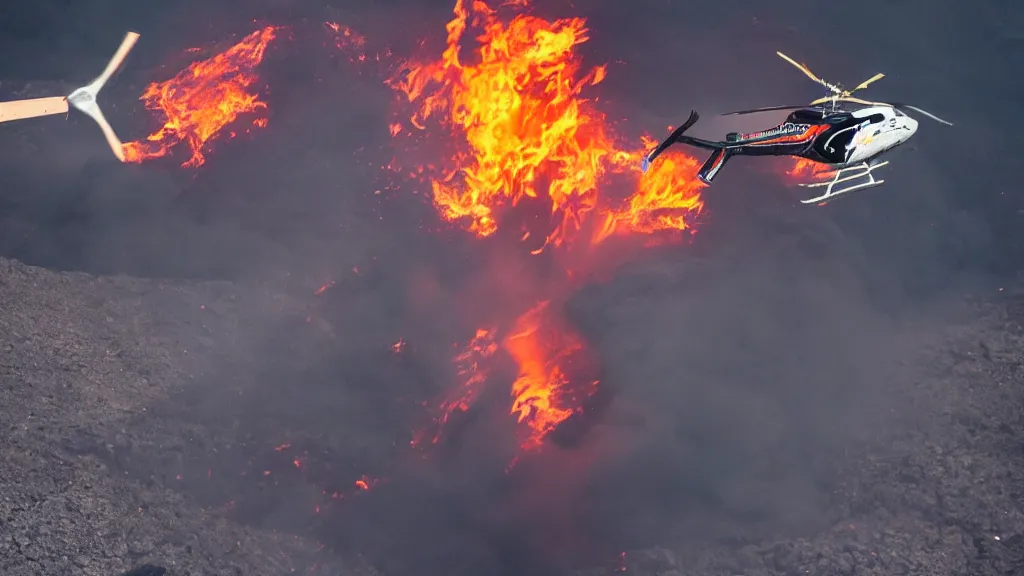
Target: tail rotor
84 99
645 163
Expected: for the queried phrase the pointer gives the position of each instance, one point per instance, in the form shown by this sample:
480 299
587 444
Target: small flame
202 99
528 132
809 169
663 201
544 394
366 483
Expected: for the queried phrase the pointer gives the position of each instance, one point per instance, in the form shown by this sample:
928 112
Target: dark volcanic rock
84 359
946 496
146 570
78 355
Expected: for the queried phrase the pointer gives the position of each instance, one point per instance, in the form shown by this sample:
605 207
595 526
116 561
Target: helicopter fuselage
845 140
836 137
881 128
839 138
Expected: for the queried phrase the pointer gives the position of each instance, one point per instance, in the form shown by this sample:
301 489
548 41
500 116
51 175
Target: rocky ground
82 356
944 498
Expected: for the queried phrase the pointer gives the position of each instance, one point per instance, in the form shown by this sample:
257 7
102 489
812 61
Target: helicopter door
833 144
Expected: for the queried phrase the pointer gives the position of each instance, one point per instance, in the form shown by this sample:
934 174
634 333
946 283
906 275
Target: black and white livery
848 141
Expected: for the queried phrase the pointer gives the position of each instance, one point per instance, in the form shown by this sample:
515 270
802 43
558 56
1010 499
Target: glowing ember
529 132
348 41
366 483
803 168
202 99
544 394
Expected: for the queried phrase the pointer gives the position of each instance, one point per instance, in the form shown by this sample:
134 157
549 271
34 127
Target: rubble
82 355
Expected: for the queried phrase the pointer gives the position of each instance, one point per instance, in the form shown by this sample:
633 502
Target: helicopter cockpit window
805 117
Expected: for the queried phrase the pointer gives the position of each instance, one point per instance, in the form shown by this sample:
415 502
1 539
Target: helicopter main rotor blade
861 101
867 82
919 111
898 105
803 69
765 109
847 99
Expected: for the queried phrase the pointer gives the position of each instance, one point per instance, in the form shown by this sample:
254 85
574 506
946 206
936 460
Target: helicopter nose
911 125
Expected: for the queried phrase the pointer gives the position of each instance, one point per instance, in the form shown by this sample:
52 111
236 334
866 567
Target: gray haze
742 370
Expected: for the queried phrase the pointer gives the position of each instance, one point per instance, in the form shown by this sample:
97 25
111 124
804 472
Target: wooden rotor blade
848 99
919 111
32 108
803 69
765 109
84 99
861 101
117 59
930 115
867 82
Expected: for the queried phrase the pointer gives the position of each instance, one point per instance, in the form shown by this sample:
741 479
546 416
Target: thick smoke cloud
739 369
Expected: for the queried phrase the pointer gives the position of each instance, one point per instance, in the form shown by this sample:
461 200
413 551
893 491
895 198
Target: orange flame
529 132
473 373
804 168
366 483
664 201
202 99
543 394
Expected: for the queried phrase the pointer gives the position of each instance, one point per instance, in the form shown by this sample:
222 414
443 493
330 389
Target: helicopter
848 141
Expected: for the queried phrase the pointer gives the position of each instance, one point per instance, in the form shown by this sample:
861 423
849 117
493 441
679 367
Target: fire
348 41
804 168
520 123
547 389
544 394
473 372
471 369
366 483
204 98
529 131
665 202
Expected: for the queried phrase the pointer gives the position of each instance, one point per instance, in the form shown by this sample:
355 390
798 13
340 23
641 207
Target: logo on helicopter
782 130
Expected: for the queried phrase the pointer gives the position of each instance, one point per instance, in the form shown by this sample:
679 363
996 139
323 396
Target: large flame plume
518 105
517 111
547 390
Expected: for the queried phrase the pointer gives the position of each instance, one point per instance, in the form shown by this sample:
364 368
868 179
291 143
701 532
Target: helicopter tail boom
672 139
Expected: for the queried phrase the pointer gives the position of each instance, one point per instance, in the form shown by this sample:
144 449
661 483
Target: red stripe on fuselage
804 136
